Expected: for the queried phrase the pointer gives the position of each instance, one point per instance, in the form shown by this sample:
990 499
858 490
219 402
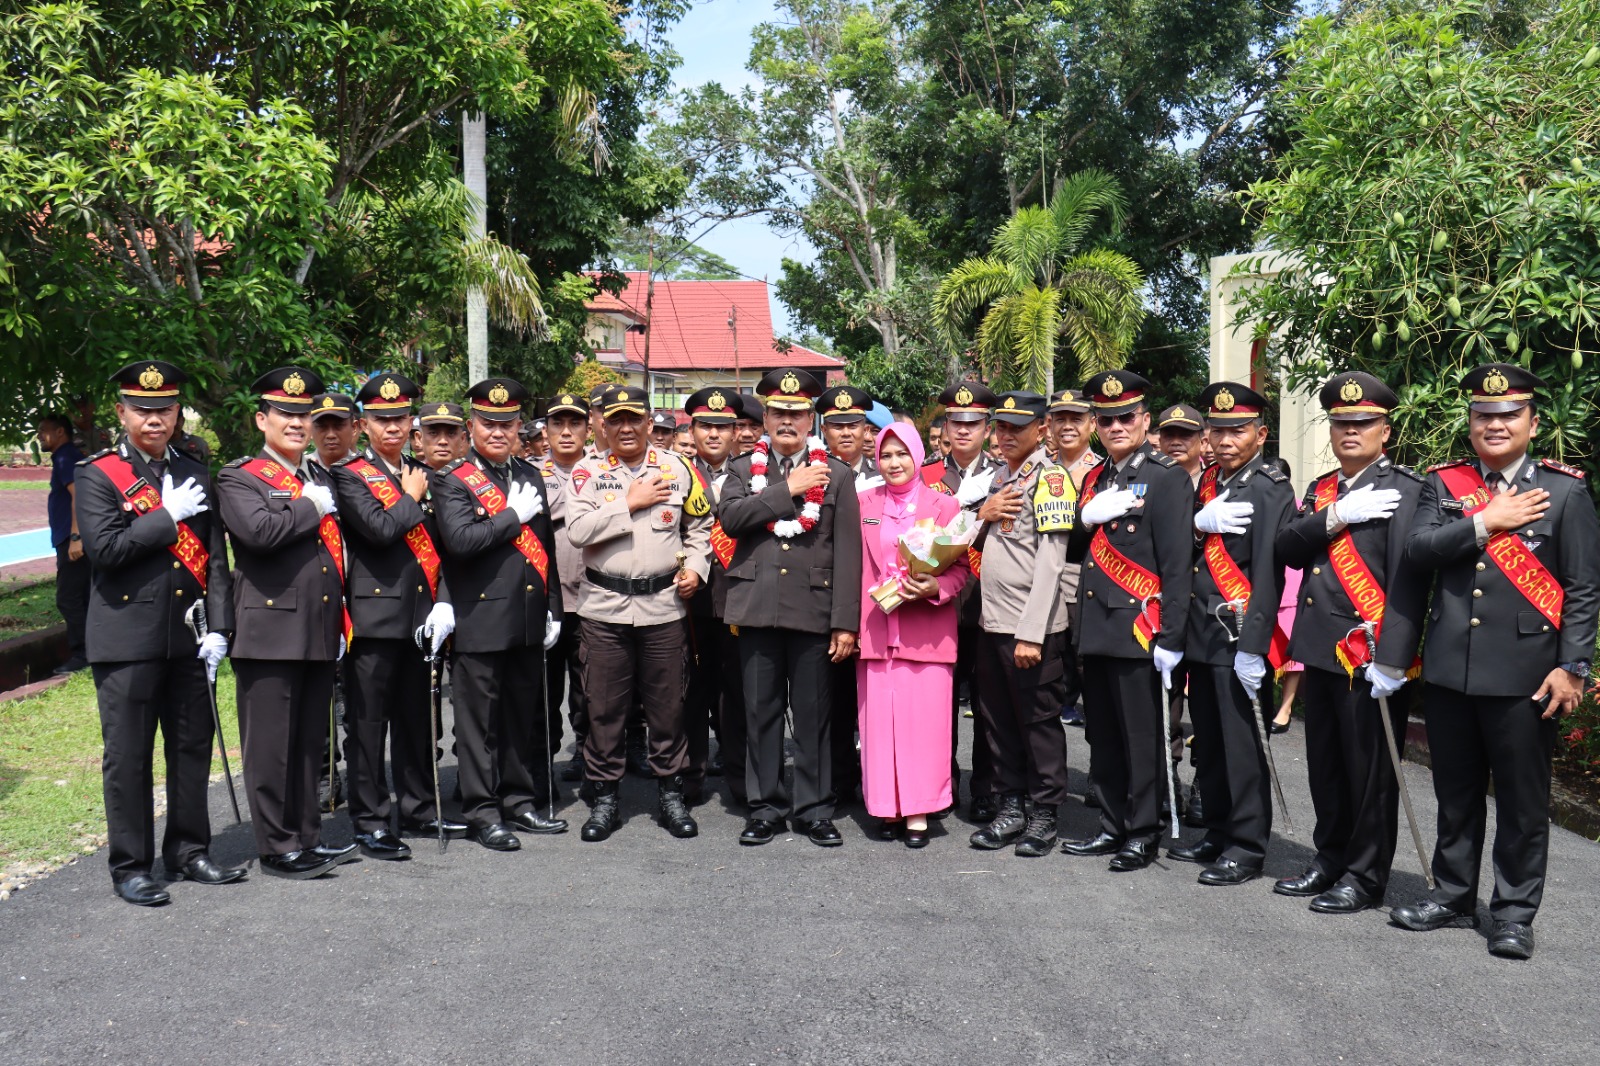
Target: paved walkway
649 950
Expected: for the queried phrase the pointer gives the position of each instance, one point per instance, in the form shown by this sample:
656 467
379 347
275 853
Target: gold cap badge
443 409
790 383
964 396
842 401
390 389
1495 382
1224 401
1112 388
1350 392
566 399
716 401
1011 403
327 401
294 384
151 378
622 397
499 394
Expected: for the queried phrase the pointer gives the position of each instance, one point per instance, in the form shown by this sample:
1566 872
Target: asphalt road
650 950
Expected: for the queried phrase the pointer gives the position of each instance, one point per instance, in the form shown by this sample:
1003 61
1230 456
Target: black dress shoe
337 854
916 838
533 820
297 865
1427 915
605 815
1100 844
1204 853
141 890
1135 855
1279 730
1228 872
203 871
497 837
452 830
889 829
820 830
382 844
1006 826
760 831
1511 940
1343 899
1311 883
1039 838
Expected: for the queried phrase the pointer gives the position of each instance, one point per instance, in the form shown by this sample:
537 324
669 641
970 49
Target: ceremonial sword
1238 607
1394 757
195 619
1166 731
435 714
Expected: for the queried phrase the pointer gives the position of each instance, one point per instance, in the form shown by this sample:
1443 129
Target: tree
1040 283
1441 201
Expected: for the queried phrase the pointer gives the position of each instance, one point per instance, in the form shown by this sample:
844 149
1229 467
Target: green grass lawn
27 608
51 803
24 486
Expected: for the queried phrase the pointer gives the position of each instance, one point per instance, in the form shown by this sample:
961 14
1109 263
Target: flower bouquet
926 548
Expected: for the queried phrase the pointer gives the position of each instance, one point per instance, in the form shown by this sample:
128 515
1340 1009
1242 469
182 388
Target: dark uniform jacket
969 601
1211 623
287 602
500 602
811 581
711 600
139 590
1325 615
1157 535
388 591
1484 637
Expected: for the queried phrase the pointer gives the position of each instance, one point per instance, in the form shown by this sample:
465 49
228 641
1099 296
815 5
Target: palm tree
1038 283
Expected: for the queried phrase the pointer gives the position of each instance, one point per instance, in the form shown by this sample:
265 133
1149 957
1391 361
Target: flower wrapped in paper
926 548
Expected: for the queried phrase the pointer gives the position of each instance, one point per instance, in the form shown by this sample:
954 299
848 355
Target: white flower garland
812 510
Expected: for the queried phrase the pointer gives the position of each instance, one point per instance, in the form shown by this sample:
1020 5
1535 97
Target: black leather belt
631 586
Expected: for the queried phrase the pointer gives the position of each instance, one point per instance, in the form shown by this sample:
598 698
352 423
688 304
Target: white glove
975 489
213 647
441 622
184 501
1384 683
525 500
1113 503
340 656
1221 516
552 631
1251 670
322 496
1365 504
1167 661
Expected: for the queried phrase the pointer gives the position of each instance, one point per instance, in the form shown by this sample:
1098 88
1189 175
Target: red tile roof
690 329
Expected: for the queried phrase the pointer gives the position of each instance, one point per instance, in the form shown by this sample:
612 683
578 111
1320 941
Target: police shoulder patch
97 456
1055 500
1272 473
243 459
452 466
347 460
1562 468
1163 459
1446 466
1408 472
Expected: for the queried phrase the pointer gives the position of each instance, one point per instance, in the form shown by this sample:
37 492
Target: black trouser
564 679
1021 713
1353 786
283 725
133 698
1125 727
502 769
732 729
702 695
846 757
387 697
1474 739
1177 699
1232 769
72 599
620 661
785 668
981 781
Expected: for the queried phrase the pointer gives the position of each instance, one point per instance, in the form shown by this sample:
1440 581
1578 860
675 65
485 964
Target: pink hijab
899 497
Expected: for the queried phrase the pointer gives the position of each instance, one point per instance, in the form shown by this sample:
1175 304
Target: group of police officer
722 591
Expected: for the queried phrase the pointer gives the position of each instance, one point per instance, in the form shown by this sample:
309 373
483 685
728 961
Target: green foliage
586 375
1442 204
908 382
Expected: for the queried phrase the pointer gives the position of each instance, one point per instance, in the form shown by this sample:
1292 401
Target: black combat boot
604 817
1007 825
1040 836
672 811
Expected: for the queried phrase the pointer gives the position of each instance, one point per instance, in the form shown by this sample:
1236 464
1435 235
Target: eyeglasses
1124 419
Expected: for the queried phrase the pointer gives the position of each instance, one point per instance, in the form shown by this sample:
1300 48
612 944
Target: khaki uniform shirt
1071 572
642 544
1021 566
569 560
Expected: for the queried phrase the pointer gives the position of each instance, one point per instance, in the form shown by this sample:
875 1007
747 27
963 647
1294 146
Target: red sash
1359 583
722 545
1126 574
1229 578
494 501
283 480
142 497
417 539
933 477
1537 584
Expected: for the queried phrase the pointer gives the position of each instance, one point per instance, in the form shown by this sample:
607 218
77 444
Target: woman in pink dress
907 656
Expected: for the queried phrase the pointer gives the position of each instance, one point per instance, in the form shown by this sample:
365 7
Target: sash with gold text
283 480
417 539
141 497
1537 584
494 501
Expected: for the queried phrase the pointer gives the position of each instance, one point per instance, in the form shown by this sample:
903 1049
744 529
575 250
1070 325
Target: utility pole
473 135
733 327
649 304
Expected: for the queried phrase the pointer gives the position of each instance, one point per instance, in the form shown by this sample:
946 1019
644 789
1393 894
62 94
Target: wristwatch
75 537
1576 669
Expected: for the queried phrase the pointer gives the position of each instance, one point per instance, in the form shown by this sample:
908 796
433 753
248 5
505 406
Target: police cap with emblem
448 414
1355 396
289 389
388 393
789 388
332 404
1069 400
1499 388
151 384
1115 392
750 408
1019 408
621 399
844 403
1181 417
715 404
1228 403
497 399
569 403
662 420
967 401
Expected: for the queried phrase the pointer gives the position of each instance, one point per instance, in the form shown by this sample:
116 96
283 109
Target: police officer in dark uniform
748 426
155 548
396 586
1516 546
1357 594
288 595
794 591
966 473
1132 537
500 561
1233 639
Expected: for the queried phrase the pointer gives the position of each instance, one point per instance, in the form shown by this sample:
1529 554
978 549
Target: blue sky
714 41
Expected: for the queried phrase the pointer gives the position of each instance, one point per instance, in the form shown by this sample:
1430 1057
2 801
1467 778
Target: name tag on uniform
375 478
280 494
137 487
869 521
1451 505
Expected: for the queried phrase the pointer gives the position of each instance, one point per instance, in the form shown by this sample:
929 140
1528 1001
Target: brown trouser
618 660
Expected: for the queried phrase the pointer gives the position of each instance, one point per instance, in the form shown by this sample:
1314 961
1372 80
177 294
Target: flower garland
812 510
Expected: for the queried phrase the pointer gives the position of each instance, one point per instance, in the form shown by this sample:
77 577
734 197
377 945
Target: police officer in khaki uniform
1020 682
642 519
566 428
1071 427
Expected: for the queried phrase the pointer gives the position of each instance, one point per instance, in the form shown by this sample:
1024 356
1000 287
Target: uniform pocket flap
821 577
1532 622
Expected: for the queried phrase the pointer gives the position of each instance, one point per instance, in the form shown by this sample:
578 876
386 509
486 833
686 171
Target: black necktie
158 469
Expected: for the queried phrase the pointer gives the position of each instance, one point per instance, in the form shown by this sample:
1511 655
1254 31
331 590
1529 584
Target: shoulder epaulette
97 456
243 459
1446 466
1408 472
1272 473
451 466
1562 468
1163 459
